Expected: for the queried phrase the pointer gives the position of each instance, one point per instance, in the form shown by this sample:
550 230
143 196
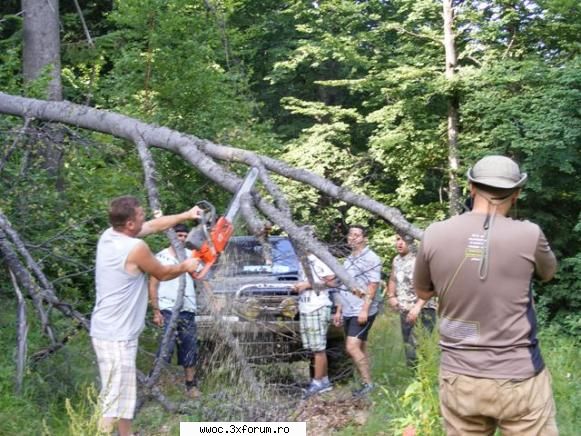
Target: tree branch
152 192
190 148
84 24
390 214
30 285
22 335
197 151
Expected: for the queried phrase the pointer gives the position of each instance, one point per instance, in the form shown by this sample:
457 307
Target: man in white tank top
122 264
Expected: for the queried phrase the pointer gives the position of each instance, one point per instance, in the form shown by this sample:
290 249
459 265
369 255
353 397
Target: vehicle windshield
246 256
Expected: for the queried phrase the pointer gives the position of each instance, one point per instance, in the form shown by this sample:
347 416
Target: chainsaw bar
207 243
245 188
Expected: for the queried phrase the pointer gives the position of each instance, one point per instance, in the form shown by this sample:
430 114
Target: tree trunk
454 206
41 55
42 46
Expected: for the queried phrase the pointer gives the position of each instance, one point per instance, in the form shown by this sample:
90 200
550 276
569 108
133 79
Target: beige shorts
477 406
314 327
117 369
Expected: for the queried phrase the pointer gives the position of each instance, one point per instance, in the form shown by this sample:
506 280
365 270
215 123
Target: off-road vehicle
252 301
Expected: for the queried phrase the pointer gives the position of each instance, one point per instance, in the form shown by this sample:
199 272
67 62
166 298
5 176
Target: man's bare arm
153 286
370 295
424 294
392 294
329 281
163 223
142 259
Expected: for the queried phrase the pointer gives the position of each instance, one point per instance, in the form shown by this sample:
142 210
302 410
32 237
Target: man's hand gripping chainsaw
210 237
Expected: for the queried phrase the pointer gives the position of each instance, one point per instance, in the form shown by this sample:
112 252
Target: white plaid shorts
117 369
314 327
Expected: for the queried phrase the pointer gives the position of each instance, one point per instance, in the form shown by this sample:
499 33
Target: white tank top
121 297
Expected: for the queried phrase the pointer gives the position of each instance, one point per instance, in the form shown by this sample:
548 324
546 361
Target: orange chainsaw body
209 253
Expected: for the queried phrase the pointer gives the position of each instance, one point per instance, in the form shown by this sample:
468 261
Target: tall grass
562 354
410 398
55 399
84 416
40 408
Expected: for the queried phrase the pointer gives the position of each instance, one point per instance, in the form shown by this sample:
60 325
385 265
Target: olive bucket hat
497 172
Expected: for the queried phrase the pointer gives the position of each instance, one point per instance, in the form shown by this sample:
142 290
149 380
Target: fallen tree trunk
197 152
203 155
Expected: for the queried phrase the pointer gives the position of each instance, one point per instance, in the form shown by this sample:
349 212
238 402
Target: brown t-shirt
487 325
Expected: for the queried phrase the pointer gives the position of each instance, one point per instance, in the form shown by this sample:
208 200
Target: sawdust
329 412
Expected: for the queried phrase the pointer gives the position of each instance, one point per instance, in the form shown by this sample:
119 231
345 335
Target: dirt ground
332 411
325 414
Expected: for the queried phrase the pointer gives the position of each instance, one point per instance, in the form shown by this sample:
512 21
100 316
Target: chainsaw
210 237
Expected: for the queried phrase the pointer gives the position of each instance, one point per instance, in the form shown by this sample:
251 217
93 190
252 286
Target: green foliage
418 405
529 110
167 68
560 301
61 227
10 53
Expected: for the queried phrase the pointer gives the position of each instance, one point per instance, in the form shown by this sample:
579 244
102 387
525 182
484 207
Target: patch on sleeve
462 331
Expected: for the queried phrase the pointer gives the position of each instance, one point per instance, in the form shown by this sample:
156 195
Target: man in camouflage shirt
402 296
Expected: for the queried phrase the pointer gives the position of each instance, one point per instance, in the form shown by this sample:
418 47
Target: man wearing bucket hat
480 265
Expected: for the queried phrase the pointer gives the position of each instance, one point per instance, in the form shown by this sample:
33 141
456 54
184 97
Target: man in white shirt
315 310
122 264
162 296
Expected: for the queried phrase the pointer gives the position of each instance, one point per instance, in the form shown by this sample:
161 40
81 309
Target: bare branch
150 176
48 351
191 147
84 24
510 44
471 58
258 227
271 187
27 280
149 169
197 152
390 214
156 393
22 335
255 224
222 26
152 192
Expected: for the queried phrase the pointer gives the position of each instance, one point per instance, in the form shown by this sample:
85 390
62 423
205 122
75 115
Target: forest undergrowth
59 392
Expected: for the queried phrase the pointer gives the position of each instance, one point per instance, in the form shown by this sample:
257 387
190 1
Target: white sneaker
317 388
